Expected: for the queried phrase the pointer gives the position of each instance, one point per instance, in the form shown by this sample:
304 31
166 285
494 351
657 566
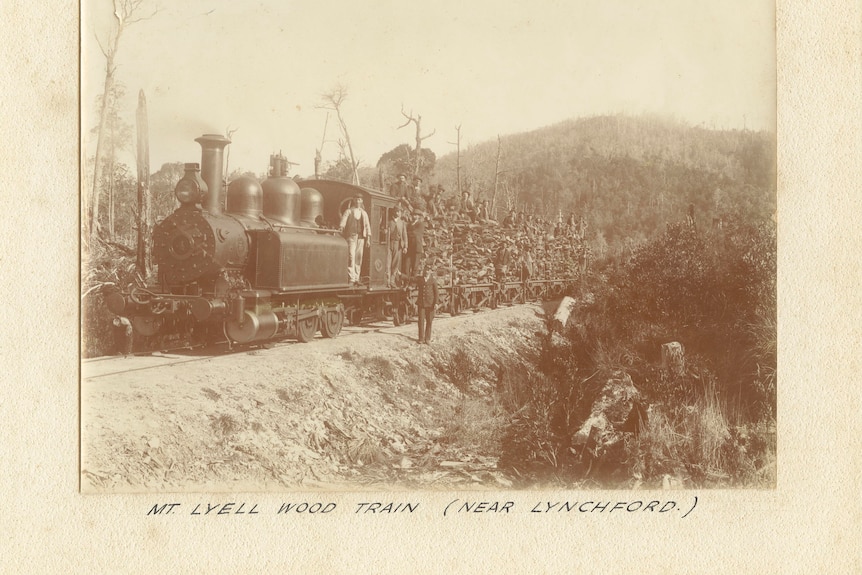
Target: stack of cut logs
464 253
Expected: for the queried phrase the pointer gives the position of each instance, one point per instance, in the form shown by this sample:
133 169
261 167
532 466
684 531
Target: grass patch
225 425
287 395
348 355
534 436
380 366
699 444
476 424
460 368
363 451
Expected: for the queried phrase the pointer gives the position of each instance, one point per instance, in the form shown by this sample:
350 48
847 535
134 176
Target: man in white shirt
356 229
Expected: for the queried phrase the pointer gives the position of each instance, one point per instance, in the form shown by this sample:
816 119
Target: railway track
105 366
101 367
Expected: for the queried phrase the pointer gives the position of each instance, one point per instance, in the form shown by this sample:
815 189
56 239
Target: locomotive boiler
261 266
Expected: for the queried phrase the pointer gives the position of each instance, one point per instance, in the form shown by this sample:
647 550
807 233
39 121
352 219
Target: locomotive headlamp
190 189
187 192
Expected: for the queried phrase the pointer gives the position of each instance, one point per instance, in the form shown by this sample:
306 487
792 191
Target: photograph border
808 522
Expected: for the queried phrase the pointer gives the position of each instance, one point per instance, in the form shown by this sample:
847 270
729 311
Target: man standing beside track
356 229
426 302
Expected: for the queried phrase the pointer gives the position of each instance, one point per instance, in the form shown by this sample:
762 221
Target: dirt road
368 409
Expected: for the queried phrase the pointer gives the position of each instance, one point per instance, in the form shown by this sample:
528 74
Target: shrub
460 368
714 292
698 444
530 442
380 366
225 425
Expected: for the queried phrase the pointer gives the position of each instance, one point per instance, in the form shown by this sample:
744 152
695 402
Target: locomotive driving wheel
333 320
306 328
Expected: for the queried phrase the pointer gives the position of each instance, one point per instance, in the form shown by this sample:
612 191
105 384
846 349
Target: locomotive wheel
306 328
332 323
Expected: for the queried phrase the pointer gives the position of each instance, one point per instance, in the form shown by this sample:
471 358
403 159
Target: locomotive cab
336 199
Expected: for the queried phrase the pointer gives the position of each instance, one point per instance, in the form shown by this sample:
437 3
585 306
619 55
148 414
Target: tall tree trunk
108 94
111 172
353 167
496 175
458 164
143 263
418 147
419 137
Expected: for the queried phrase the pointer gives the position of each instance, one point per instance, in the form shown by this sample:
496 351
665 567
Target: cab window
379 218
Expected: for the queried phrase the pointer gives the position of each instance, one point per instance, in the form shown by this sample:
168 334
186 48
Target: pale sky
495 67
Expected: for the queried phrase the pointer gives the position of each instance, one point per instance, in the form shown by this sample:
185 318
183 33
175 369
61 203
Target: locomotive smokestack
212 165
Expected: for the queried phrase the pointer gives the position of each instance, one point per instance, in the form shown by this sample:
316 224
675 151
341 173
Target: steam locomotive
265 268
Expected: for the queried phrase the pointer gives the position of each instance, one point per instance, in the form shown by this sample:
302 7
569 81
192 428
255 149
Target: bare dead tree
111 170
318 152
333 100
228 132
509 196
496 174
144 260
419 137
457 144
126 13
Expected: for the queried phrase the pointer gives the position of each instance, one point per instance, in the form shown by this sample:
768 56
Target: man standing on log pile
398 242
509 221
426 302
502 260
398 189
433 203
414 195
468 208
526 263
484 213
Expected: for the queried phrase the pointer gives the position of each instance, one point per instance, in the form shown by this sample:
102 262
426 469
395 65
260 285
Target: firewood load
464 252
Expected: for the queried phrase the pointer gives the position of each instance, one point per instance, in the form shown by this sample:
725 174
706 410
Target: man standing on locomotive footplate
356 230
397 234
426 302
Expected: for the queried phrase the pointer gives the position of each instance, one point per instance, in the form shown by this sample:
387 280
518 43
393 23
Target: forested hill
627 176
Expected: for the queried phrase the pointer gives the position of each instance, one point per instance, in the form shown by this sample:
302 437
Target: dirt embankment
369 409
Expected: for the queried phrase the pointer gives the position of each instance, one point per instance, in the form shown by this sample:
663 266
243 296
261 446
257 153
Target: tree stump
673 358
561 316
